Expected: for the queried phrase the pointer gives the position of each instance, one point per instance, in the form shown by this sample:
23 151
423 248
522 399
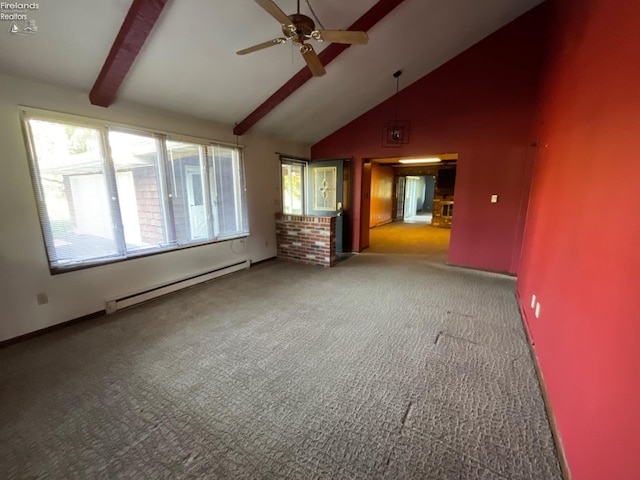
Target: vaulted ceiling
188 62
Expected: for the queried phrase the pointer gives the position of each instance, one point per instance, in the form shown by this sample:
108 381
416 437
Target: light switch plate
494 198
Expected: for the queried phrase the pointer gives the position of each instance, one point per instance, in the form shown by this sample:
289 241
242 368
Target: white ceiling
188 63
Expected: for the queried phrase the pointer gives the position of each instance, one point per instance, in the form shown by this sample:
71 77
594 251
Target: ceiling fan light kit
299 28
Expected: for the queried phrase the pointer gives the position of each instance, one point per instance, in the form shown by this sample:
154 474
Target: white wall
24 270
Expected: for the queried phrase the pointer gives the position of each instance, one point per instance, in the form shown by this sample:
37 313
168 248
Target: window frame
165 185
285 160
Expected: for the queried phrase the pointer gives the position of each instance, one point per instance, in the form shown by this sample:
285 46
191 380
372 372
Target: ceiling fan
298 28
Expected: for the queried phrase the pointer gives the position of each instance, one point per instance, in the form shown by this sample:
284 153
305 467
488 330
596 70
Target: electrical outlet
533 300
494 198
537 309
42 299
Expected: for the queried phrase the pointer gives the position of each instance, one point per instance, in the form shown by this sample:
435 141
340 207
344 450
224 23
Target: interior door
326 193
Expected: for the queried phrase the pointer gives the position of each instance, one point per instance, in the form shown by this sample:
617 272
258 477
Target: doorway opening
319 188
411 204
417 200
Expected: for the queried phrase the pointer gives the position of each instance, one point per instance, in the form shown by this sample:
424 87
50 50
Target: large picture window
106 194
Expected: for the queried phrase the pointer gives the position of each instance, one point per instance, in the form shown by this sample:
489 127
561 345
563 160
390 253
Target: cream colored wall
23 263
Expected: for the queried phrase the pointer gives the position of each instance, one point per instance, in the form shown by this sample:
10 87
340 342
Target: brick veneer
306 239
148 201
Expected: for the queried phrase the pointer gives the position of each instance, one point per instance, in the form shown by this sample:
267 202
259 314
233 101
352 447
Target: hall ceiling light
421 160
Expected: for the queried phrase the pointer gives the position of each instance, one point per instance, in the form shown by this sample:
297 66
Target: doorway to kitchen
411 204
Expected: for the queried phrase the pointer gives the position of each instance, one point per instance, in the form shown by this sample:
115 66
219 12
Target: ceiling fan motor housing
300 29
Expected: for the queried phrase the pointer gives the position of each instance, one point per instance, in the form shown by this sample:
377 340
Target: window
105 194
187 162
137 162
292 186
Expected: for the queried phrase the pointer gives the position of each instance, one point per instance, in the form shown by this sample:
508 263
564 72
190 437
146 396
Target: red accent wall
581 254
479 105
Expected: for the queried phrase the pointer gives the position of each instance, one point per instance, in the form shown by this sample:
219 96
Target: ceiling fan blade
312 59
260 46
274 10
341 36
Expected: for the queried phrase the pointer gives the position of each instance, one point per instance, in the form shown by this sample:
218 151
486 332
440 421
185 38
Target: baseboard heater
116 304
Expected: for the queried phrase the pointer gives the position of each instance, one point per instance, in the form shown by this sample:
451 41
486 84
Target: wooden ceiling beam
364 23
137 25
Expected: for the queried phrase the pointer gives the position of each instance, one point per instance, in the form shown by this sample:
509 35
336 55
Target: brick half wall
306 239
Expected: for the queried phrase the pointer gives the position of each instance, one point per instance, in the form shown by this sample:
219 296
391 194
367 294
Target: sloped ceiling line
364 23
137 25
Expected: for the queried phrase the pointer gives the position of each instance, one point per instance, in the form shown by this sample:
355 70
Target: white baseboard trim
124 301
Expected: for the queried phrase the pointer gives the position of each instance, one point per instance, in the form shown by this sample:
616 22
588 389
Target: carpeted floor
384 367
